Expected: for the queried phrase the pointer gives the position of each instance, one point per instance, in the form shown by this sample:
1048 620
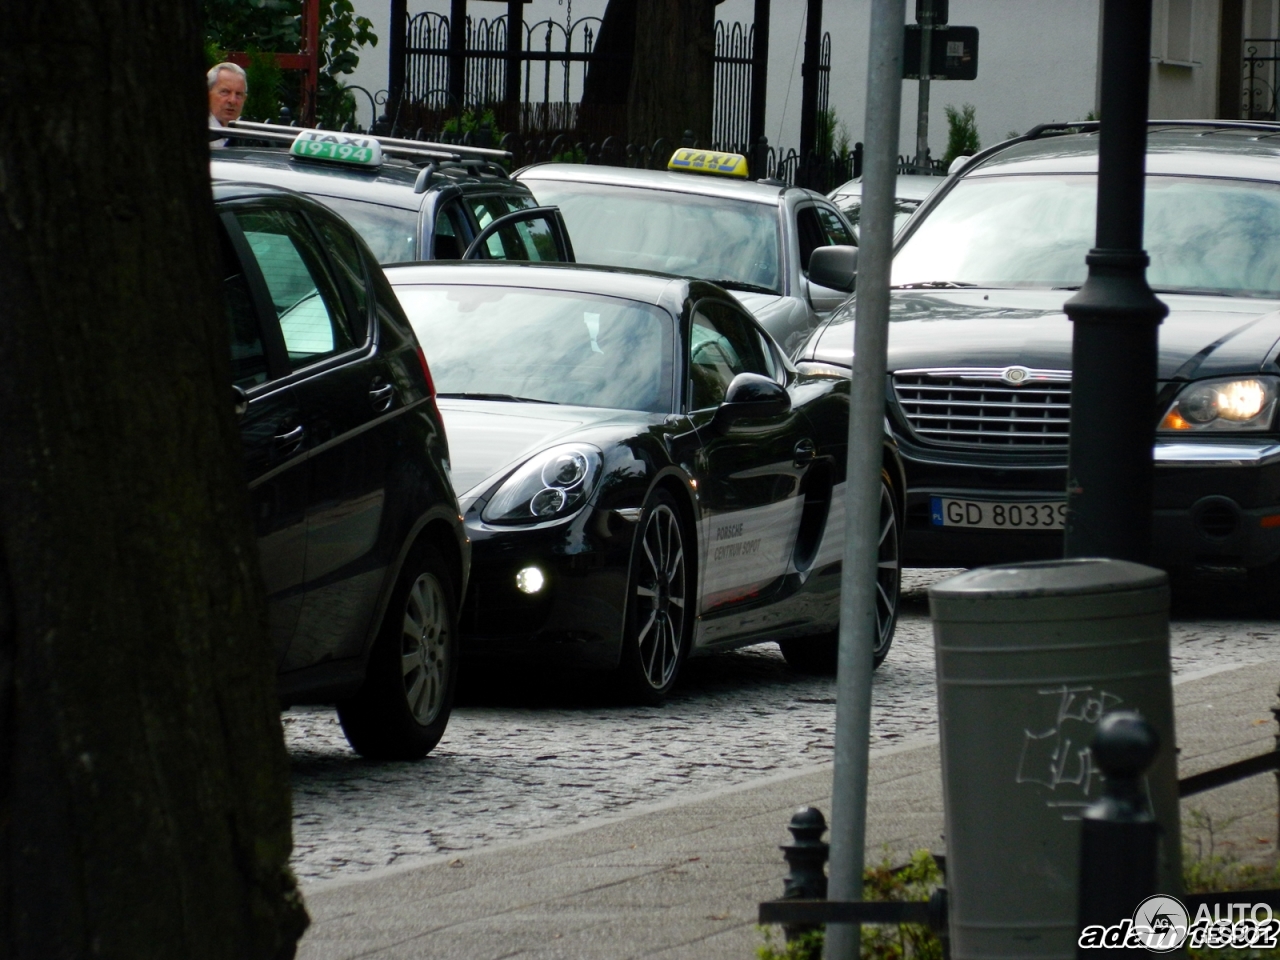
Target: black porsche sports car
642 473
979 386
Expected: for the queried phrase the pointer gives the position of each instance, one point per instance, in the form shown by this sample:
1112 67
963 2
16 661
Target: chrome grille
987 407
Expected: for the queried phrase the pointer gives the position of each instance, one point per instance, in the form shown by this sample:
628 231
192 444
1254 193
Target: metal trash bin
1029 657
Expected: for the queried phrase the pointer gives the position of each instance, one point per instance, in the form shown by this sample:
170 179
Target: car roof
754 191
390 184
659 289
224 190
1211 150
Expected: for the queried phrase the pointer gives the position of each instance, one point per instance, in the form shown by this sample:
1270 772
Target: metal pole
457 54
862 486
759 74
1116 316
809 75
924 14
515 43
396 60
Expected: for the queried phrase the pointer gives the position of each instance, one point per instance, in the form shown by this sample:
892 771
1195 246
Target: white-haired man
228 87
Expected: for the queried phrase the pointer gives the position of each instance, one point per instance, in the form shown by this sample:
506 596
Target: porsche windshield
711 238
543 346
1203 235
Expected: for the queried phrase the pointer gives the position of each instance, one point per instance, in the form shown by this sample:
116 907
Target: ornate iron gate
1258 95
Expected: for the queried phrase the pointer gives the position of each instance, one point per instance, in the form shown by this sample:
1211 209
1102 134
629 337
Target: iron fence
1258 93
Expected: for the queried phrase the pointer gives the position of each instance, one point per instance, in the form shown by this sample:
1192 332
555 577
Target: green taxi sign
337 148
688 159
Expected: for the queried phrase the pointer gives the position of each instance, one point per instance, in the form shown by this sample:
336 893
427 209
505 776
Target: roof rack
395 146
1082 126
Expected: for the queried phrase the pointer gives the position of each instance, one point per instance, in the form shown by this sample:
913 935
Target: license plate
985 515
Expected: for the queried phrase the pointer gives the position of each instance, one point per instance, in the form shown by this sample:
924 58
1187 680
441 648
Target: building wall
1038 61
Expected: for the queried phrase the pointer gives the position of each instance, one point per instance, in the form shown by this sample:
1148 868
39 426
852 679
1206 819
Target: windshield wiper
743 286
933 285
509 398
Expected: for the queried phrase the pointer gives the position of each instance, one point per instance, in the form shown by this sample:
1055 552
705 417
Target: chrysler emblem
1015 374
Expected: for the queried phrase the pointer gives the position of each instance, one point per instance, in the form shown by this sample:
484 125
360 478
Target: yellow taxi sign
708 161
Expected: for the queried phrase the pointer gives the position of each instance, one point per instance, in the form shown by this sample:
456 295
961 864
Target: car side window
810 234
302 291
248 356
448 242
351 275
834 229
722 344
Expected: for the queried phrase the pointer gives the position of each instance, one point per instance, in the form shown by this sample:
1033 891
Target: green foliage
808 946
833 135
962 133
1205 869
265 80
274 26
908 941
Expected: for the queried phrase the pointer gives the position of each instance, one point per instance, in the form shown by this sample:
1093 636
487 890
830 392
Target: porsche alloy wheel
658 609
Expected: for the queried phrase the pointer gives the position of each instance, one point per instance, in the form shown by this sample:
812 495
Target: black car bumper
1214 504
576 618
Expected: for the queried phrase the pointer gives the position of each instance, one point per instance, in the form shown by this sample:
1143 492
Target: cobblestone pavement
522 753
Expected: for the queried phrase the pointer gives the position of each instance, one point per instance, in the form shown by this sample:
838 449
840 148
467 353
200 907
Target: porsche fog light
1238 403
530 580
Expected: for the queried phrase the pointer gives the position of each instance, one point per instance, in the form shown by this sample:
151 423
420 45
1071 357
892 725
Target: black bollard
1119 836
807 856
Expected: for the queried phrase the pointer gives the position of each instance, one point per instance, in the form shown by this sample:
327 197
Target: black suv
363 554
407 206
979 385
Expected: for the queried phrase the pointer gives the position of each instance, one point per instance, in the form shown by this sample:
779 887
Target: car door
509 229
271 435
317 282
819 226
748 474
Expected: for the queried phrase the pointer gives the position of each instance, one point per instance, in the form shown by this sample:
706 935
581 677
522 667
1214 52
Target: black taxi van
363 553
979 375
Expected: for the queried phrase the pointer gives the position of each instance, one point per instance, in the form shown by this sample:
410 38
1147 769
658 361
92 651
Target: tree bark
673 71
144 792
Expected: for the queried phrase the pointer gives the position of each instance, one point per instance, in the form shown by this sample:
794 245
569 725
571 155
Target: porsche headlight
554 483
1229 404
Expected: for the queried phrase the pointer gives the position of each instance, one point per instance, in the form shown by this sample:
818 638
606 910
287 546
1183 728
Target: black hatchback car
362 549
980 350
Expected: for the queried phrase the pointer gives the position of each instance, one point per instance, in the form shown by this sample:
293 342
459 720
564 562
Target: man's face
226 99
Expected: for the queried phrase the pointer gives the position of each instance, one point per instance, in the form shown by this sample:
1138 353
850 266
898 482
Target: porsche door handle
289 441
804 453
380 395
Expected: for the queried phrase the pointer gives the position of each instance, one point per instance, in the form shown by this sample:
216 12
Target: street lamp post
1116 316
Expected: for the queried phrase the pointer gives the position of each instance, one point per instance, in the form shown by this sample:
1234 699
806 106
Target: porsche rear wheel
819 654
659 603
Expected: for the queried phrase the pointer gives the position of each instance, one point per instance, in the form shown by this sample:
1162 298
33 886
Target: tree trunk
673 71
144 792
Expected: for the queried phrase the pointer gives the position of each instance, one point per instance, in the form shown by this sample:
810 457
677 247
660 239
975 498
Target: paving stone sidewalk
683 879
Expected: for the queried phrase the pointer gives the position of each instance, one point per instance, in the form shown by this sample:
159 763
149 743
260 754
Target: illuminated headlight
530 580
1230 404
553 484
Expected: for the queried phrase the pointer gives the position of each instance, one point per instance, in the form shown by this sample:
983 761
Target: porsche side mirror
751 396
834 267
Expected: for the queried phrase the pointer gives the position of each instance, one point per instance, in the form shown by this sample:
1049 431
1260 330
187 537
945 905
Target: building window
1173 32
